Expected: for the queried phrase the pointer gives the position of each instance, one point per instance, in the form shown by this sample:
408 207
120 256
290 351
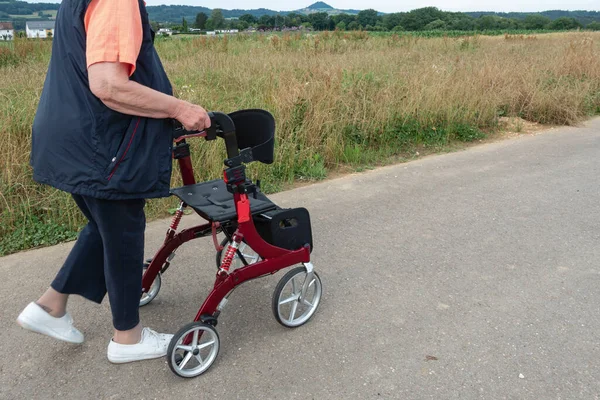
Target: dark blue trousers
108 257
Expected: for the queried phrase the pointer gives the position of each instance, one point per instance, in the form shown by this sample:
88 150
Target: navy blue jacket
81 146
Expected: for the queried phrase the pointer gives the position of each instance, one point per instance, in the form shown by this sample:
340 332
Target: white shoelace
160 338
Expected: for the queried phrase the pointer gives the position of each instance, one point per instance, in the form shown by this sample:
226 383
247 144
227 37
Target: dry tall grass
338 98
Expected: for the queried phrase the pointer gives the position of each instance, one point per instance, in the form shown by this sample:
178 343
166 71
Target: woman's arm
109 81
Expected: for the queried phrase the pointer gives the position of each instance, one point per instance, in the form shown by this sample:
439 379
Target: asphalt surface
471 275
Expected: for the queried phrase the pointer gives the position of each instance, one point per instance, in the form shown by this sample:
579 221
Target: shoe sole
30 326
128 359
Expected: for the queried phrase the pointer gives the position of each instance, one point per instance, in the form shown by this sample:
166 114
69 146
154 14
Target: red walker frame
273 258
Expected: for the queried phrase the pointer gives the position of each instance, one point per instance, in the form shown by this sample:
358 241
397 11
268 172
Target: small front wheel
151 294
291 307
193 349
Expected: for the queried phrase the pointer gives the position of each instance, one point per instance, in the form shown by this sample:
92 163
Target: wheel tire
276 305
147 297
176 355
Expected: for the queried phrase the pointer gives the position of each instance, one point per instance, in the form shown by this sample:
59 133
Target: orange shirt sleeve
114 32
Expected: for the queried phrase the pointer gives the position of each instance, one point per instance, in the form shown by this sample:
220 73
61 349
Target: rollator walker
260 238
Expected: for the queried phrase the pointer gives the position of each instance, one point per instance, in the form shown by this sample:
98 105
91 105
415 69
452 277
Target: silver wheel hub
299 298
196 357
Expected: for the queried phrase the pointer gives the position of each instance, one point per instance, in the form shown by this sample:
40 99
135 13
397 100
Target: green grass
33 232
343 102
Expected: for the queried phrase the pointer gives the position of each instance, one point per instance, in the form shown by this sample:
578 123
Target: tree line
11 7
423 19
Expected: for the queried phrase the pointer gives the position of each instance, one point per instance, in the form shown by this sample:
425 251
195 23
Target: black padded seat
213 202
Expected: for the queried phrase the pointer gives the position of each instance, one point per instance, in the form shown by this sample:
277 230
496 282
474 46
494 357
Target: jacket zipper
126 150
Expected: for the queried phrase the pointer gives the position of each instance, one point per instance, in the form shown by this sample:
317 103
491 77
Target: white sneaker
35 319
152 345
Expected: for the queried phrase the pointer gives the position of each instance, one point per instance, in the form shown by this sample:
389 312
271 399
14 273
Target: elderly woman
102 132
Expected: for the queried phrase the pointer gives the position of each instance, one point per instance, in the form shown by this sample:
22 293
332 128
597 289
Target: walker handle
180 133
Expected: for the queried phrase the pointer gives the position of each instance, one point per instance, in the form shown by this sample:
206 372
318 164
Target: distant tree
419 18
345 18
278 21
353 26
593 26
536 21
367 17
184 25
330 23
266 20
490 22
218 21
292 19
564 23
301 17
341 26
249 18
392 20
517 23
398 28
494 22
319 21
201 19
436 25
461 23
241 25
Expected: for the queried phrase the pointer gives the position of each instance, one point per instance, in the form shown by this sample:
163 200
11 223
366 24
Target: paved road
486 259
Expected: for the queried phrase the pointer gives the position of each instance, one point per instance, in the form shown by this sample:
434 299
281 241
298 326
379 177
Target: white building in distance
165 31
7 32
221 32
39 29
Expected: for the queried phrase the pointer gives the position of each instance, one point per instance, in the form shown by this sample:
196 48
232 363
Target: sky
392 6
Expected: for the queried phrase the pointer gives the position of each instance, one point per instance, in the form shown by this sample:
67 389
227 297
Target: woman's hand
192 117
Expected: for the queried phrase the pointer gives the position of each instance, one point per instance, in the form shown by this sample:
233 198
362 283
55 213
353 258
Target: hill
324 7
174 14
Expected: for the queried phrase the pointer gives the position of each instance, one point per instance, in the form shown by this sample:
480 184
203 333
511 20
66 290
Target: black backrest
255 129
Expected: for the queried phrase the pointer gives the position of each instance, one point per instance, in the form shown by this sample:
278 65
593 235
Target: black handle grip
211 133
221 125
222 122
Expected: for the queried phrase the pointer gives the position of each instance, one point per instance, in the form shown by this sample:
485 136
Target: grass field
341 101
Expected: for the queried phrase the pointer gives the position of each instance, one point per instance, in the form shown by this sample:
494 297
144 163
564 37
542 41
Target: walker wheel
151 294
193 349
250 256
289 307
